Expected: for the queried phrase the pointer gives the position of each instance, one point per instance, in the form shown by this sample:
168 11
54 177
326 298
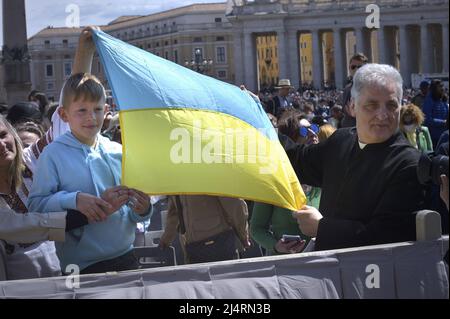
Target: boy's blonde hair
84 87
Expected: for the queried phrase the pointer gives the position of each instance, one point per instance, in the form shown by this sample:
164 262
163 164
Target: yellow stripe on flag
187 151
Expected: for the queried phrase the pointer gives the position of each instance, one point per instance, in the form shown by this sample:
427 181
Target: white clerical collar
361 145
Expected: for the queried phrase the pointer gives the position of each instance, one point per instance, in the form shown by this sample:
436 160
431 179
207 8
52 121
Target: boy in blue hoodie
81 170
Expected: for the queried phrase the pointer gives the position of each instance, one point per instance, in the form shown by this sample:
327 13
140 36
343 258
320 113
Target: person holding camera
433 173
370 188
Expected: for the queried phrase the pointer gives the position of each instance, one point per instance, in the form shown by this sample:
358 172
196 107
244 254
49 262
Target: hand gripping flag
186 133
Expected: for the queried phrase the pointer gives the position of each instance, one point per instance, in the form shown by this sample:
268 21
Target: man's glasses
305 130
355 66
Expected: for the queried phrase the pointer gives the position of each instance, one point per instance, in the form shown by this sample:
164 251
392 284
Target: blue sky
42 13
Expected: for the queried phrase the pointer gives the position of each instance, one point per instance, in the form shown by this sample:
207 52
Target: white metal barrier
398 270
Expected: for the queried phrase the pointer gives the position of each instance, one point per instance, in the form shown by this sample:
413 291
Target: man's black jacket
369 195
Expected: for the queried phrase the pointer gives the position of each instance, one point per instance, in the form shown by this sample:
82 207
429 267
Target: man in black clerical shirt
367 173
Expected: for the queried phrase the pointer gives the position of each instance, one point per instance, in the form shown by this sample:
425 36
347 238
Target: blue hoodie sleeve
44 195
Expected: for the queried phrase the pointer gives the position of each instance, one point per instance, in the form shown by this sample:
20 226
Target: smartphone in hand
290 238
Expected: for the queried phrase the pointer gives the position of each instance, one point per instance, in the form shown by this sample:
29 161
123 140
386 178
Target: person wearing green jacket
269 223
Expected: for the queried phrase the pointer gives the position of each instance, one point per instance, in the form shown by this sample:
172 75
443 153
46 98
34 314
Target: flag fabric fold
187 133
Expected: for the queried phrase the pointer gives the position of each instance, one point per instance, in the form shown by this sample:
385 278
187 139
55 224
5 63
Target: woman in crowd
435 108
24 260
336 116
411 119
29 133
325 132
269 223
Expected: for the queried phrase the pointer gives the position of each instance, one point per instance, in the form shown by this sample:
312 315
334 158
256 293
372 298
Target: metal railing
428 228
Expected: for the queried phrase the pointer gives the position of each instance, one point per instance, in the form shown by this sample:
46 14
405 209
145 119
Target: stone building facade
174 34
307 41
413 35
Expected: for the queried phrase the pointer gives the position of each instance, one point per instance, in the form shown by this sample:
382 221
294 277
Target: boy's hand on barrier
92 207
138 201
116 196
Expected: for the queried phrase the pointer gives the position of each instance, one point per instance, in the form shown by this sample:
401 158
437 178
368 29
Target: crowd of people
355 151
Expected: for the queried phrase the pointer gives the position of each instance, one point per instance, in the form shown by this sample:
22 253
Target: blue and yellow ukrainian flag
186 133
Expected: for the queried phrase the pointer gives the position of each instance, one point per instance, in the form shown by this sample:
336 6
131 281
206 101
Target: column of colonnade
411 47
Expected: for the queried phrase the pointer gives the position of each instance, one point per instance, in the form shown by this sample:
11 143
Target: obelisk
15 57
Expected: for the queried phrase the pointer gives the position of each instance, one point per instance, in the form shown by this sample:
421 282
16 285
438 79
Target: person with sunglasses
356 61
307 132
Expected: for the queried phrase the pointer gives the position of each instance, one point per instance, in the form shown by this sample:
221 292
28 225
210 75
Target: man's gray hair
373 74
